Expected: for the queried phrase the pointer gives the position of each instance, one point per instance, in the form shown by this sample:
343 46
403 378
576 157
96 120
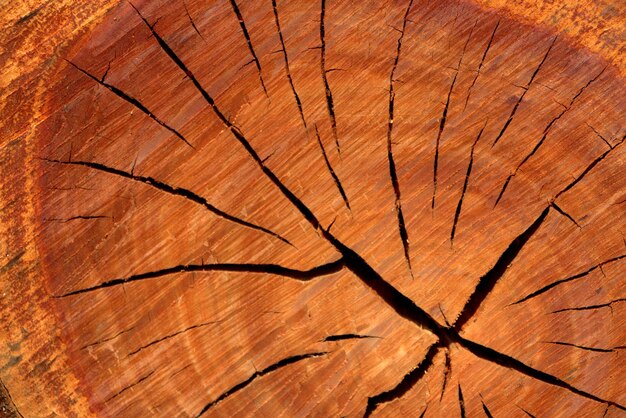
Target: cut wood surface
313 208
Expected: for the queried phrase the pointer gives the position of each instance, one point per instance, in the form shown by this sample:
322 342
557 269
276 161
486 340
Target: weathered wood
332 208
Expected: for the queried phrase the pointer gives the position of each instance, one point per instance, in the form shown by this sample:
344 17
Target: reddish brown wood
335 208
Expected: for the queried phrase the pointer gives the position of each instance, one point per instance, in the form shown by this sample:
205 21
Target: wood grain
334 208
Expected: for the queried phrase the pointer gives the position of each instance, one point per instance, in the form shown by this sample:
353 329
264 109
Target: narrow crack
404 236
193 24
341 337
131 100
489 279
286 58
582 347
577 276
457 213
257 374
132 385
246 35
526 412
172 190
589 168
486 410
599 135
167 337
79 217
447 369
480 65
408 381
107 339
329 95
546 131
274 269
4 390
331 171
591 307
461 401
562 212
526 88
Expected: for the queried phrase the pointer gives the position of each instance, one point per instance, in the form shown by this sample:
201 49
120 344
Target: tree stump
298 208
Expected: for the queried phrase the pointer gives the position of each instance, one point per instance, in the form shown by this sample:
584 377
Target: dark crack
175 334
457 213
480 65
546 131
131 100
568 279
272 368
172 190
341 337
408 381
329 95
286 58
132 385
526 88
582 347
274 269
246 35
331 171
404 236
591 307
461 401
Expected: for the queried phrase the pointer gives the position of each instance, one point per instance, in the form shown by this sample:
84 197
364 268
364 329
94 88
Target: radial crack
480 65
107 339
246 35
546 131
582 347
568 279
341 337
461 401
519 101
486 410
167 337
275 269
562 212
131 100
132 385
511 363
489 280
591 307
447 369
172 190
329 95
193 24
457 213
408 381
272 368
404 236
331 171
286 58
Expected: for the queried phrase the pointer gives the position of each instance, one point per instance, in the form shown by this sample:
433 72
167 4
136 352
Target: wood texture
294 208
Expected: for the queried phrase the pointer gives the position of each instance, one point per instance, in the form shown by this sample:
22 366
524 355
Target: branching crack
286 58
480 65
275 269
329 95
131 100
404 236
526 88
331 171
546 131
172 190
272 368
569 279
457 213
244 30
